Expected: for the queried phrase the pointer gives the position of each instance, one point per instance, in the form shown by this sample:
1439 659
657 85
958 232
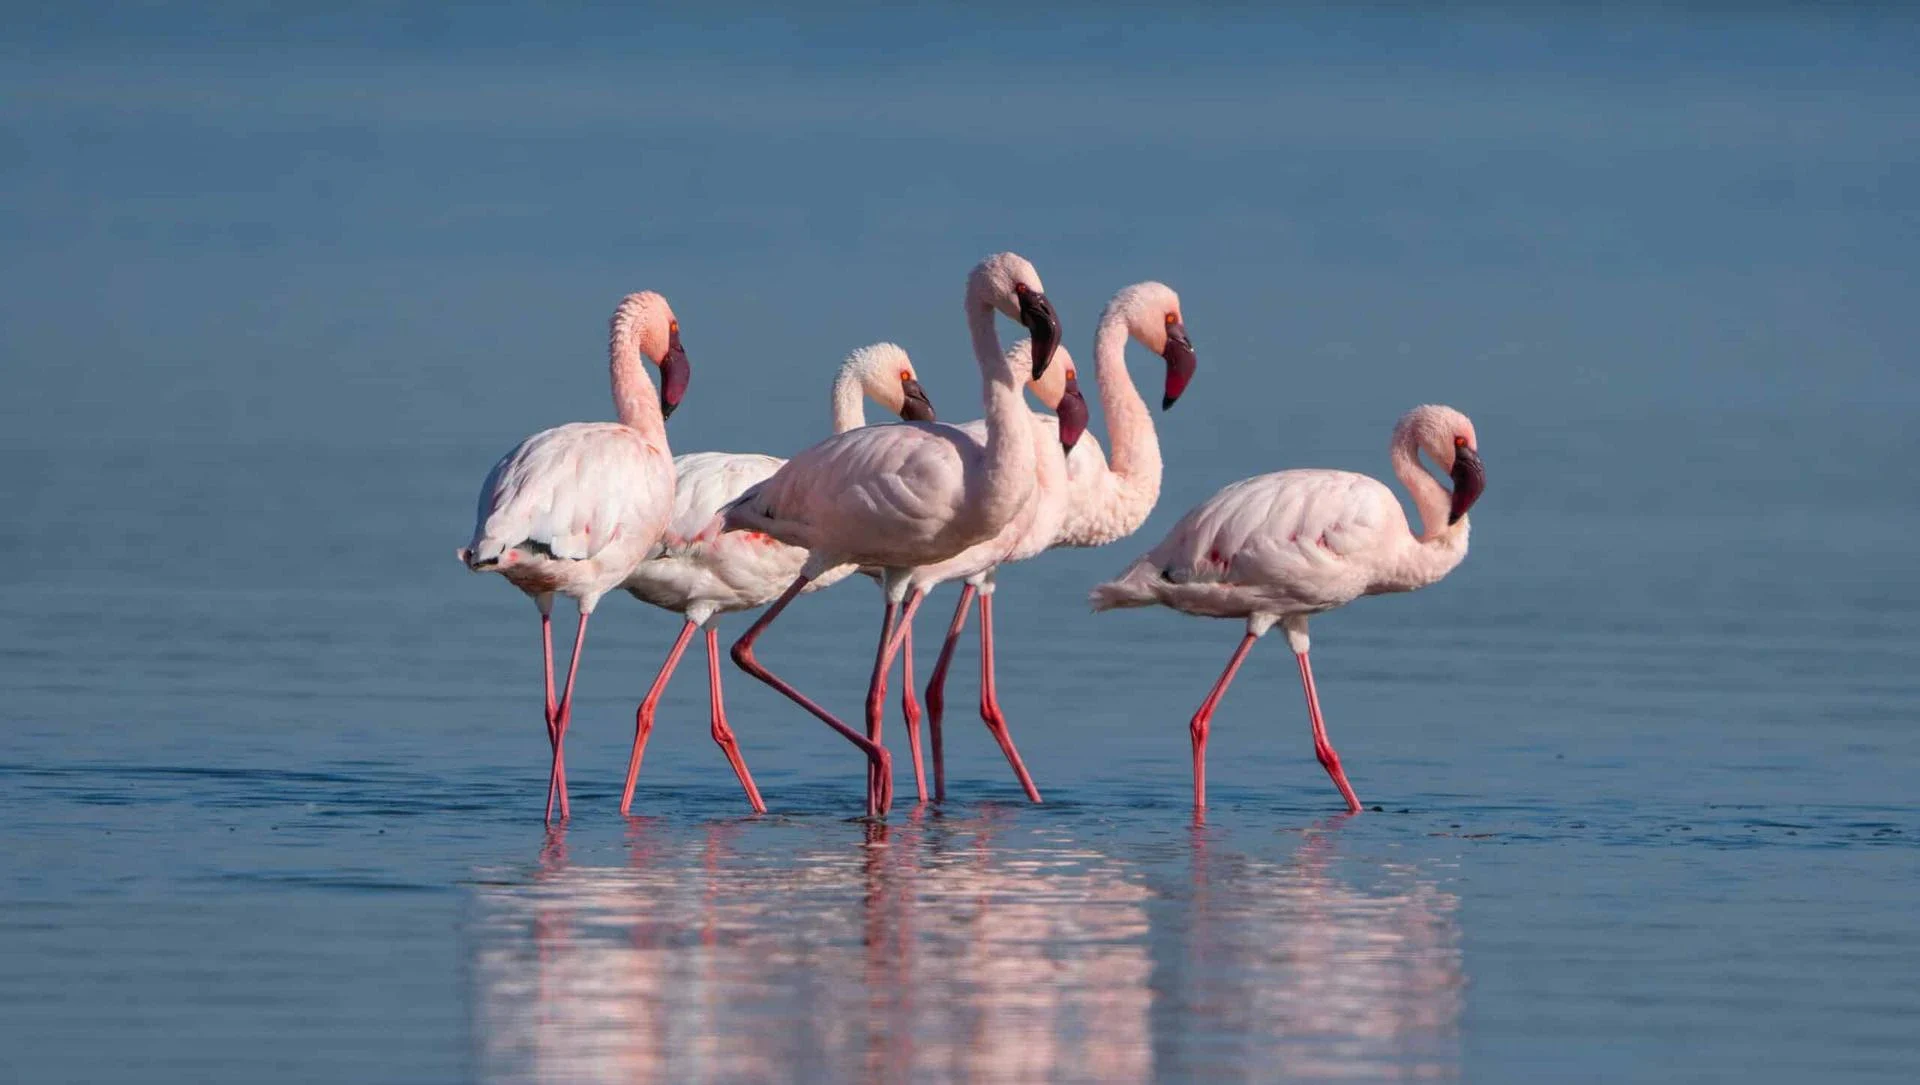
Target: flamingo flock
585 508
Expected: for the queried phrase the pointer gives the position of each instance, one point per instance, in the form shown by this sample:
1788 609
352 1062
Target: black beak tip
667 409
1168 401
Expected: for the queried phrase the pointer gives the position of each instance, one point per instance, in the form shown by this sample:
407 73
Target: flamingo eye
1459 442
1172 319
673 325
1020 288
905 376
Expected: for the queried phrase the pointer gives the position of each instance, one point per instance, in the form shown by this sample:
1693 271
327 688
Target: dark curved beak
1469 481
673 375
1037 314
915 407
1180 363
1072 413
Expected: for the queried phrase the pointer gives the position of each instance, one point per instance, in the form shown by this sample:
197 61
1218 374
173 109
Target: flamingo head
647 318
1007 282
1152 312
1447 437
1058 388
887 376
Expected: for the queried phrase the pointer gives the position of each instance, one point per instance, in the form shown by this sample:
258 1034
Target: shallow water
1641 771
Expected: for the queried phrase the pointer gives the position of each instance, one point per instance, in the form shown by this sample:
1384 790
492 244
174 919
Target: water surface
1643 766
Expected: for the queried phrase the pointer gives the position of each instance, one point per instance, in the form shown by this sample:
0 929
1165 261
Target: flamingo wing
706 481
883 477
1309 536
570 491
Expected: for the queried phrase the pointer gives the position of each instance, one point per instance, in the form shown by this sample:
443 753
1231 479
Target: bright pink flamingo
571 510
743 570
902 496
1282 547
1031 530
1103 502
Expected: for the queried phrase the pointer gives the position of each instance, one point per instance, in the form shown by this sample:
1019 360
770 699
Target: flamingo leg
877 692
1204 717
910 707
937 691
643 719
563 715
743 658
722 734
876 697
1323 749
554 770
990 700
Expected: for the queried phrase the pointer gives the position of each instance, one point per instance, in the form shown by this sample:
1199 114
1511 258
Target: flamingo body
728 573
572 509
1278 548
886 496
901 496
1291 542
1081 501
702 575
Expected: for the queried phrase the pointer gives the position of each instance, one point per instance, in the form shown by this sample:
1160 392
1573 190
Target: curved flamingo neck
634 399
1133 446
849 400
1010 463
1440 545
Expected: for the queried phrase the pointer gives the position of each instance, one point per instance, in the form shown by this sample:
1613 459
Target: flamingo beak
1037 314
914 404
1469 481
673 374
1180 362
1072 413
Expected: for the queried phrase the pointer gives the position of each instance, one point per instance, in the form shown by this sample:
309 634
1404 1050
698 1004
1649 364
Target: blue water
277 289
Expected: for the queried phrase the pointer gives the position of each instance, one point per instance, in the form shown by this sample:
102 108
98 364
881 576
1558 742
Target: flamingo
1031 530
1279 548
901 496
743 571
572 509
1103 502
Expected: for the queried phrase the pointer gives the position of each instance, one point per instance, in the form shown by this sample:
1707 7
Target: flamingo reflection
926 953
1291 972
972 948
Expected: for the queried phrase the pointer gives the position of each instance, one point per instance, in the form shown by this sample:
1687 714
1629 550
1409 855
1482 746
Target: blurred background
279 283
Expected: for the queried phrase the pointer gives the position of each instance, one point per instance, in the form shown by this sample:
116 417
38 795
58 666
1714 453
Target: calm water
1645 765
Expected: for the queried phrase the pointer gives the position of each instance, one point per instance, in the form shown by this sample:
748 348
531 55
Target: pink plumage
702 576
571 510
1278 548
1080 501
902 496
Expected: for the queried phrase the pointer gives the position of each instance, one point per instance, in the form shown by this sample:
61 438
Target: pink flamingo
1282 547
1031 530
571 510
1103 502
901 496
746 570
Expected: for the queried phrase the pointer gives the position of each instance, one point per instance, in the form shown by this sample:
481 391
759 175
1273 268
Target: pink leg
876 698
910 708
723 734
1204 717
990 700
743 658
562 716
937 692
643 719
1323 749
554 769
877 692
